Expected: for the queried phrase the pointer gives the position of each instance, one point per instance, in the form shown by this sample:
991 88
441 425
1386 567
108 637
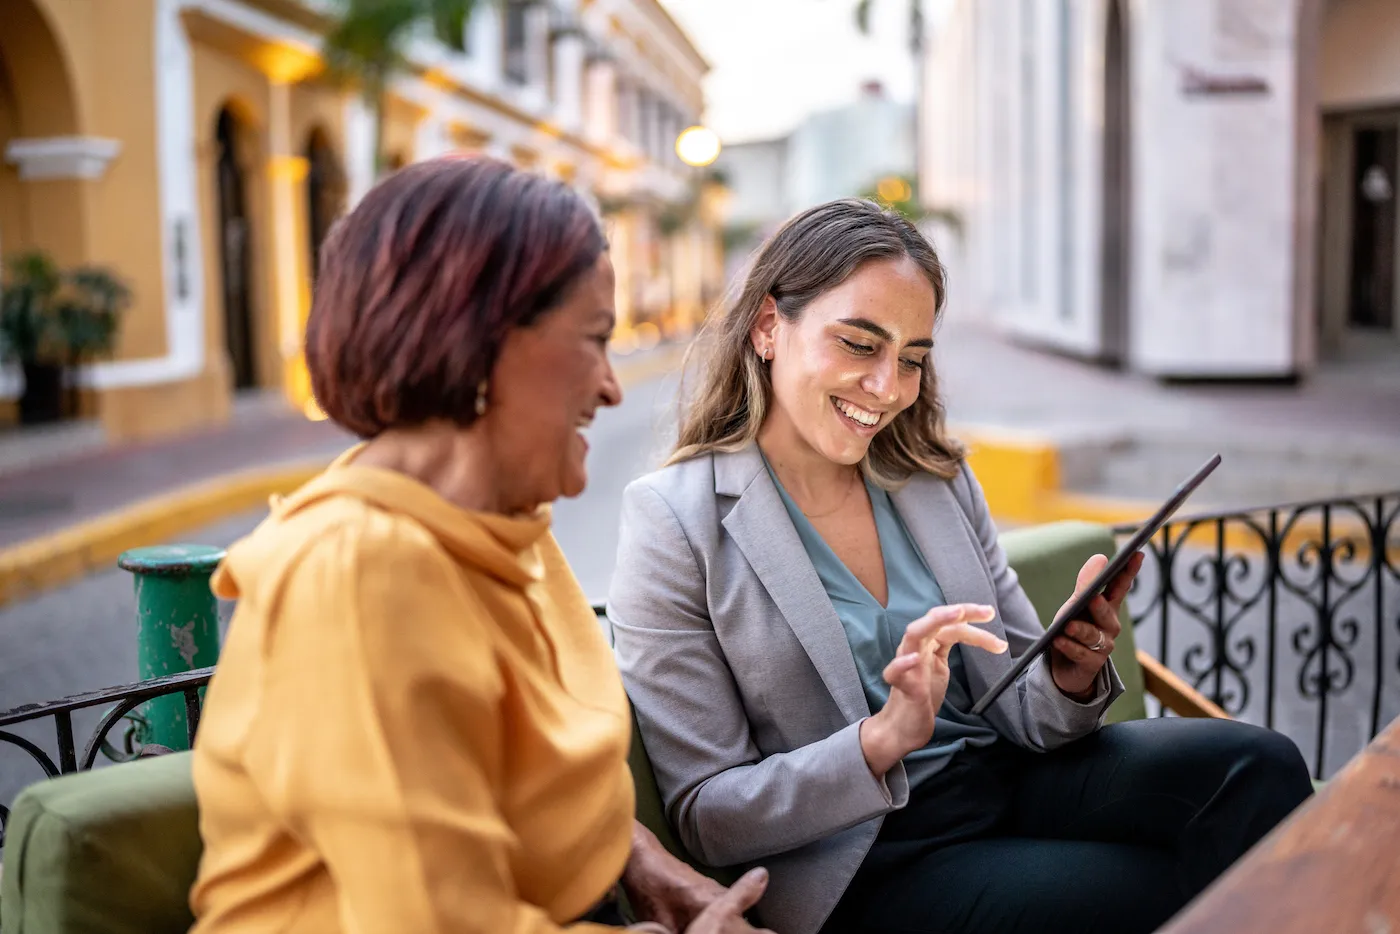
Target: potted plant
28 334
88 310
50 321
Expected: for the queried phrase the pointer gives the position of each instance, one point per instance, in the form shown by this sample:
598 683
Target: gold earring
481 398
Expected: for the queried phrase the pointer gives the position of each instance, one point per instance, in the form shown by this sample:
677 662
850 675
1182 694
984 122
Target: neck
807 474
453 461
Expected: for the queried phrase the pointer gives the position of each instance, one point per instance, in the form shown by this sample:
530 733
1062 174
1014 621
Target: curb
1020 474
48 561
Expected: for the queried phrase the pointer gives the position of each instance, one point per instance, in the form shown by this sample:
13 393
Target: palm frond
862 12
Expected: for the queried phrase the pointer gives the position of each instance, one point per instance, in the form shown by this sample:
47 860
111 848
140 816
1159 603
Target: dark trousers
1113 833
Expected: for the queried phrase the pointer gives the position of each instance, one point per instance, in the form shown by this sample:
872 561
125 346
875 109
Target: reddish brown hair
419 285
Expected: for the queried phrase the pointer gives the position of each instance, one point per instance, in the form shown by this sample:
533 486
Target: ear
761 335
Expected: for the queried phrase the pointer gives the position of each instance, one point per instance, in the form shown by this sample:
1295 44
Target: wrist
1082 695
878 745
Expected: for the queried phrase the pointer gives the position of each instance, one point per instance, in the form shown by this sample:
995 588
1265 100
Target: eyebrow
865 324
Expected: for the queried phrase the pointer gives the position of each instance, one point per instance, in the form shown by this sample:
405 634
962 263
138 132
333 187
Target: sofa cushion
1047 559
113 851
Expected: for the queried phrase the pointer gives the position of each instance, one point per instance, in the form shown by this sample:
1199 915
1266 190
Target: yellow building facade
195 149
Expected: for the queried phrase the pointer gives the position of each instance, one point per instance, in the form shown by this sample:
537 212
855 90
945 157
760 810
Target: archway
37 101
325 193
235 246
1116 220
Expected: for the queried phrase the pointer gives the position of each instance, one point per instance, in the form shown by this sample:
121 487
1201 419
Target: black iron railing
1287 616
123 702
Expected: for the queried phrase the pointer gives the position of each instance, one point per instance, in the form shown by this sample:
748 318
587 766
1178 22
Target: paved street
80 637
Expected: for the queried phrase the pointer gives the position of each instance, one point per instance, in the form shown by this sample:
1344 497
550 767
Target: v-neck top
874 631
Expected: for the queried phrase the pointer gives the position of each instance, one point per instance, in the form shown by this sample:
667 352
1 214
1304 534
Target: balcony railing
1286 616
120 705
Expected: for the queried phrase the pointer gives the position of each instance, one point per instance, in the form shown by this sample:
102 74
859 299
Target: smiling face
549 381
852 360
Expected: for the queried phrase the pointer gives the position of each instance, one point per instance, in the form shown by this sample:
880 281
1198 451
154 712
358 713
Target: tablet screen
1078 609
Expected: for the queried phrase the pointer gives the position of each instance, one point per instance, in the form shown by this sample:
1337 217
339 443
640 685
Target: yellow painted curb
48 561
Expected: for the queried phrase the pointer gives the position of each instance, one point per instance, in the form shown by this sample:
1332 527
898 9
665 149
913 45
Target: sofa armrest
1174 693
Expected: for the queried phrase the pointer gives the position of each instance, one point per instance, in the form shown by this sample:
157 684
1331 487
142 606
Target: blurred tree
916 49
901 193
365 46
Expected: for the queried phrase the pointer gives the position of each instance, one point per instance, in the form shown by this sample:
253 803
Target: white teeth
868 419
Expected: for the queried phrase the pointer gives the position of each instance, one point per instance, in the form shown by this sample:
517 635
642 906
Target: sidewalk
70 503
1121 435
50 495
1041 426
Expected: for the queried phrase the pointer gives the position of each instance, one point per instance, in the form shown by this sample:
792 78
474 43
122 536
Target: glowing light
313 411
893 190
698 146
624 343
648 335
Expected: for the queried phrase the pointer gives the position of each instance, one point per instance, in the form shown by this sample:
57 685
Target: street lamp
697 146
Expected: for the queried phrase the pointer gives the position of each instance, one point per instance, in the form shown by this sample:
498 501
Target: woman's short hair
421 282
814 252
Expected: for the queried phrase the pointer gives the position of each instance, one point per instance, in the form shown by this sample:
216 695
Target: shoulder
341 544
681 486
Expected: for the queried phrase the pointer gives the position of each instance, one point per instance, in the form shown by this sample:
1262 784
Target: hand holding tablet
1079 606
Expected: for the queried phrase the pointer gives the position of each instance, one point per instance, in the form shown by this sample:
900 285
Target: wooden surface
1333 866
1175 694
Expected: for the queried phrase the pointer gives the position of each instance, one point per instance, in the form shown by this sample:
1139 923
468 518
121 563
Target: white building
1189 188
831 154
209 179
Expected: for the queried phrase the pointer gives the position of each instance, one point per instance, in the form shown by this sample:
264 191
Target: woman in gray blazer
810 595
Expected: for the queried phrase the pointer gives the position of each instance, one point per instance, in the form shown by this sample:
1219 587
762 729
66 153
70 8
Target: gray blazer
745 688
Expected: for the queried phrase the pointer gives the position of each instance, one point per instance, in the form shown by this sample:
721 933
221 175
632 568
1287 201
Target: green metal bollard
177 627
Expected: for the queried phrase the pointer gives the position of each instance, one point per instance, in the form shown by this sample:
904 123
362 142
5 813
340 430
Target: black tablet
1079 608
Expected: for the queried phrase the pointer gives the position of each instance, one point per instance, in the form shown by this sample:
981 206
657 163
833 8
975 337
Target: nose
611 391
882 381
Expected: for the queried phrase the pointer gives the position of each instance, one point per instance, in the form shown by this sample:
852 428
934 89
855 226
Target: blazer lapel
760 526
940 528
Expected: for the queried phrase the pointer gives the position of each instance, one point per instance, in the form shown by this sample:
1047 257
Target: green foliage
910 206
49 315
28 321
365 44
916 21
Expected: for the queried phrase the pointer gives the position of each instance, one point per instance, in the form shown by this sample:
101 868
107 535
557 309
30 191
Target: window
517 58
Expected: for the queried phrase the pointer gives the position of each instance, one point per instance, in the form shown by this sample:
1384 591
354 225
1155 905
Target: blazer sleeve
1049 717
729 803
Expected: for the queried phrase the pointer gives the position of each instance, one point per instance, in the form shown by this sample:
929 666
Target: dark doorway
1371 299
325 193
1116 220
235 251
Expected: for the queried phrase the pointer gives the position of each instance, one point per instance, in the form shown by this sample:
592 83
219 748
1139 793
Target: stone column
291 288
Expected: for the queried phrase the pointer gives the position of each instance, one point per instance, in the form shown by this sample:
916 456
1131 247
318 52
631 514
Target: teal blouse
873 631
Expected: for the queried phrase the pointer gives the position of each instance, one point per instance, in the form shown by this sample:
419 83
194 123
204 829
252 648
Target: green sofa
114 851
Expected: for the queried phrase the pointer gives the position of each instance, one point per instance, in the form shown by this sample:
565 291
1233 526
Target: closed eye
858 349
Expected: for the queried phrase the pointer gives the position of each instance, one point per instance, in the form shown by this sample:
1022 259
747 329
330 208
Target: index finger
1118 588
918 632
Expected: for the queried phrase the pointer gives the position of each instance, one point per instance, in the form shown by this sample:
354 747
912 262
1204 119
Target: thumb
1091 570
745 893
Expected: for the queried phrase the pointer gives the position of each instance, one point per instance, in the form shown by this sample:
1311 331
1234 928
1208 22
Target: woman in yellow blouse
417 725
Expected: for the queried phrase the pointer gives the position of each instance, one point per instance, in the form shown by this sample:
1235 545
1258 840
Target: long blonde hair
813 252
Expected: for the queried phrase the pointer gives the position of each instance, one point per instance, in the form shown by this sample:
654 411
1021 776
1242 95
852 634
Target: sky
775 61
